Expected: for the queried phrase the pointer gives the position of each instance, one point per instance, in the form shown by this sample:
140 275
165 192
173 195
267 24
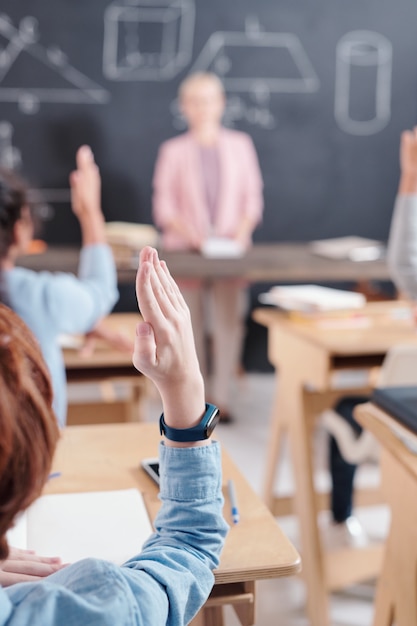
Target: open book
110 525
352 248
312 298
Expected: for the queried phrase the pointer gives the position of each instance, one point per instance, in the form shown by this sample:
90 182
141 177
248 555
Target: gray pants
217 311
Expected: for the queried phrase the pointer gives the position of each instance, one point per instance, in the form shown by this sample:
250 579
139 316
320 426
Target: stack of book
127 239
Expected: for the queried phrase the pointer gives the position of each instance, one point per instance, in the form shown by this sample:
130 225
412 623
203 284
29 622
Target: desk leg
305 501
277 429
209 616
384 601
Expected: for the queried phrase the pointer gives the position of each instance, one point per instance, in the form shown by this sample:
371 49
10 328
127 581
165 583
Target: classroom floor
281 602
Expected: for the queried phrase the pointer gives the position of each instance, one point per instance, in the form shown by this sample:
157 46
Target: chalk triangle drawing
18 42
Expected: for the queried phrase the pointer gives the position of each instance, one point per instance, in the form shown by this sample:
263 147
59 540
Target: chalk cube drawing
147 39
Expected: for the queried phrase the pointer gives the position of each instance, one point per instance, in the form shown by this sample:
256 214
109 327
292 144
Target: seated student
52 304
170 579
402 263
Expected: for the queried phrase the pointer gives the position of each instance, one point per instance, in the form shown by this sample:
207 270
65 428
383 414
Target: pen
54 475
233 501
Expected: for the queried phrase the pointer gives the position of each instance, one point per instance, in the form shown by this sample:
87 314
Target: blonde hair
198 77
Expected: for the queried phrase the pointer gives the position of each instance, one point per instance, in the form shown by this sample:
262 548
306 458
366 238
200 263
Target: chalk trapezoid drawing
272 52
24 40
147 39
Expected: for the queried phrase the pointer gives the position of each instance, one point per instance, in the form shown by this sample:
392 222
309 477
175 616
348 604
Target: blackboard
324 87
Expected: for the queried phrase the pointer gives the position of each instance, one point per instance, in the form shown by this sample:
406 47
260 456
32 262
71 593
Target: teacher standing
207 183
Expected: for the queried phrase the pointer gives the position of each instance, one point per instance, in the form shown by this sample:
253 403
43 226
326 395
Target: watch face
211 424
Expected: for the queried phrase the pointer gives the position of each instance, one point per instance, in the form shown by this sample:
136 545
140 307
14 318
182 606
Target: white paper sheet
110 525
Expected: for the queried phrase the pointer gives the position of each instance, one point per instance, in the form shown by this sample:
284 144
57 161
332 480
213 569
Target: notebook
312 298
352 248
110 525
401 404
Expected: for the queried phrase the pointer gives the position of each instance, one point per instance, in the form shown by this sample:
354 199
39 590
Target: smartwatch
199 432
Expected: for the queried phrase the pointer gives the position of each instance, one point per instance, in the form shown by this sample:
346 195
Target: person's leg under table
227 332
193 293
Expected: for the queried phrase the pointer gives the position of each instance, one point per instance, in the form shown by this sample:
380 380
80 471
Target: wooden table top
371 330
264 262
383 426
106 457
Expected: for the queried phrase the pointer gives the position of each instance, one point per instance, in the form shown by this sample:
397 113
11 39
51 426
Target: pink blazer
179 188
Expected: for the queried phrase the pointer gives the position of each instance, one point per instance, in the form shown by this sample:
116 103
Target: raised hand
85 184
164 344
408 162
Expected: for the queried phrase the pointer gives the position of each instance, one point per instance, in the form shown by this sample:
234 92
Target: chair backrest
399 367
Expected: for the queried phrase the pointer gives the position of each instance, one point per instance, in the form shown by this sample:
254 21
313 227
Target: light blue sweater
165 585
55 303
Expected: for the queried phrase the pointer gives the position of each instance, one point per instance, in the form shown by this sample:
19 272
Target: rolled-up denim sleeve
190 532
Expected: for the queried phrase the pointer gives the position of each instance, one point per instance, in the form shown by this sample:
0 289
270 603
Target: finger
31 568
144 353
174 286
16 554
147 302
88 348
7 579
84 157
146 254
160 286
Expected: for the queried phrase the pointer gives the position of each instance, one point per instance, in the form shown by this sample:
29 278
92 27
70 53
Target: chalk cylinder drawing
363 82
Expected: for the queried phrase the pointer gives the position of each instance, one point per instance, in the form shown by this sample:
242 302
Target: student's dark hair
28 426
13 197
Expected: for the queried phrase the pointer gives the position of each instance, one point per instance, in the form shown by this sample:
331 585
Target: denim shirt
55 303
166 583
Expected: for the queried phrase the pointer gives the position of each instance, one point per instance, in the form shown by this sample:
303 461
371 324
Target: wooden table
107 456
307 356
264 262
396 597
107 367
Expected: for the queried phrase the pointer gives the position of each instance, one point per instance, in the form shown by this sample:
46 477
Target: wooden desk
107 457
396 597
107 367
268 262
306 358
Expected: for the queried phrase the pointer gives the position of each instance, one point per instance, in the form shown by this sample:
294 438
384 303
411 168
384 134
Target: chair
398 369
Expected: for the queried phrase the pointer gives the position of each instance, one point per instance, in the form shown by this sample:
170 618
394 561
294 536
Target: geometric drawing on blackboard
363 82
64 84
258 62
11 158
147 39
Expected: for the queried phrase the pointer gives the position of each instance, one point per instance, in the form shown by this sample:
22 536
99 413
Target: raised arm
402 243
76 304
190 529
